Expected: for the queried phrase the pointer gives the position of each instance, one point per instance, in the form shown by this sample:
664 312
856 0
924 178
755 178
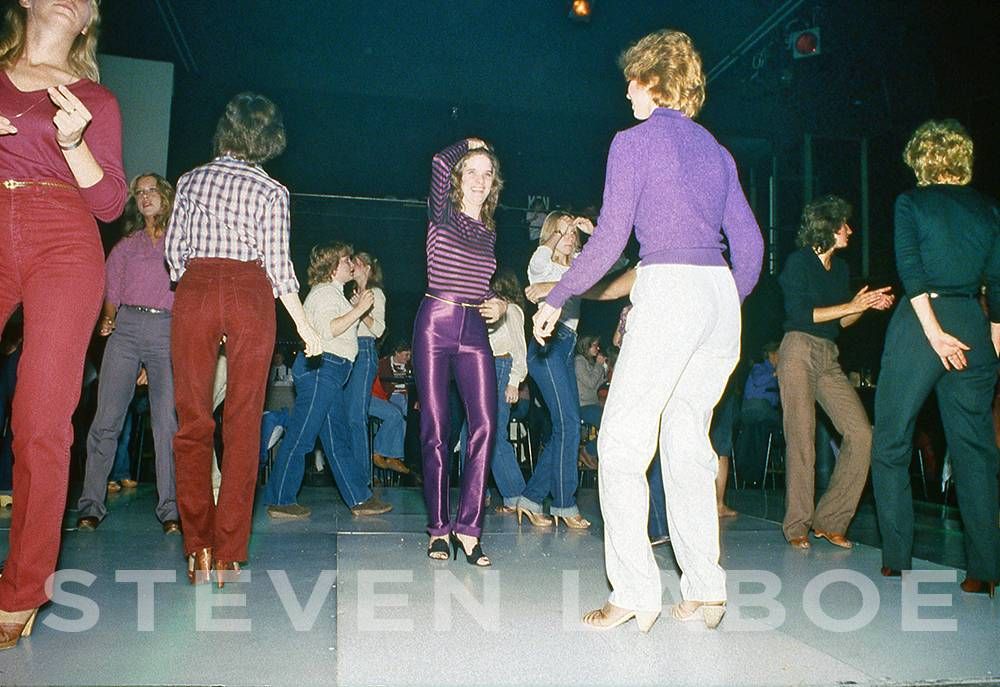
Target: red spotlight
805 43
579 10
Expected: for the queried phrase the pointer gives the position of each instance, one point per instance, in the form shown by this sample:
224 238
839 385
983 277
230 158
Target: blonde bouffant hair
667 63
940 151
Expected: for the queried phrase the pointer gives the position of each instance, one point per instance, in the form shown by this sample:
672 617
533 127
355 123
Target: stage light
805 43
579 10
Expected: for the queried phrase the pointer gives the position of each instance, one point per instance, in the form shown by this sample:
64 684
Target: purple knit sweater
670 179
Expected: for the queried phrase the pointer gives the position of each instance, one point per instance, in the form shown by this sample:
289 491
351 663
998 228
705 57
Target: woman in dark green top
818 303
947 245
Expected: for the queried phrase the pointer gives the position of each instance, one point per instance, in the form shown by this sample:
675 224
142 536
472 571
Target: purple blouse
136 273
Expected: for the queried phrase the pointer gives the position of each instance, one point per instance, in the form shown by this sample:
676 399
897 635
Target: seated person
393 370
759 416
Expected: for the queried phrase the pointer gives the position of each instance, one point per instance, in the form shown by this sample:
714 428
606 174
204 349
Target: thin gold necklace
30 107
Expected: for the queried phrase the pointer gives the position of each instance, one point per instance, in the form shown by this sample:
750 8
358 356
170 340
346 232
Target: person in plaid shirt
227 249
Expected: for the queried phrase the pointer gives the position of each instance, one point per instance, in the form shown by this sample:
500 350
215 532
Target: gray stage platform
349 601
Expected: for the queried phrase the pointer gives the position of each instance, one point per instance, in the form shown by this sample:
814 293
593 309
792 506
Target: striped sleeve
439 199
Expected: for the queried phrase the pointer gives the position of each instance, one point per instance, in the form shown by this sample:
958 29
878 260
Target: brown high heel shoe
226 571
574 522
972 585
200 566
12 627
536 519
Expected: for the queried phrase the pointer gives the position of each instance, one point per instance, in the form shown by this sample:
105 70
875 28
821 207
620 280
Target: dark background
371 90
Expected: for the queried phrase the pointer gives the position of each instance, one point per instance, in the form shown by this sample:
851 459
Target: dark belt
151 311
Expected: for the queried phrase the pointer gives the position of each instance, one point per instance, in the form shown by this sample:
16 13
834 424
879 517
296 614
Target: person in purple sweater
672 181
137 304
450 339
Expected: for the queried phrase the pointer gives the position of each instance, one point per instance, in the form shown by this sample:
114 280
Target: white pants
681 344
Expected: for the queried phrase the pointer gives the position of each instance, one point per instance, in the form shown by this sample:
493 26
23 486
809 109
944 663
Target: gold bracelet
72 146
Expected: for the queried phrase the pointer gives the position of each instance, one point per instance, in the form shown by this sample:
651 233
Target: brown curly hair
940 151
251 129
668 64
492 199
821 219
323 260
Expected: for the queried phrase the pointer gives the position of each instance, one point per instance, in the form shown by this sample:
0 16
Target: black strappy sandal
476 558
439 546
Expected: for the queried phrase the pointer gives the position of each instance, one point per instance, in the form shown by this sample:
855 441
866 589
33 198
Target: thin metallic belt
11 184
934 294
445 300
151 311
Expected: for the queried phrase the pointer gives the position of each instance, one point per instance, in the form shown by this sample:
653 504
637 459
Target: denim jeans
391 432
506 471
320 410
359 393
657 525
122 468
551 366
591 414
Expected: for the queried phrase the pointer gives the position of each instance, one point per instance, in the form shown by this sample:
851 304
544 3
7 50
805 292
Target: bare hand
601 359
143 378
544 322
71 117
314 345
950 350
106 325
476 143
6 128
364 300
583 224
537 292
864 299
493 309
510 394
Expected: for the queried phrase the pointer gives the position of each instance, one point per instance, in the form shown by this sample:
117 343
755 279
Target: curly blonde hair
323 260
492 199
134 221
940 151
667 63
82 54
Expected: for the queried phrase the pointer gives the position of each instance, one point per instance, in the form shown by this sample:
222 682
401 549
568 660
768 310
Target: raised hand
364 300
583 224
72 116
538 292
864 299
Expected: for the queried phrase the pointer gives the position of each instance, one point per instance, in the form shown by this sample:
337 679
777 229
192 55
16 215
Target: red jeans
52 262
217 297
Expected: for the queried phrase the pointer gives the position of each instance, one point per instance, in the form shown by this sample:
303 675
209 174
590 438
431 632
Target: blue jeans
359 393
506 471
591 414
551 366
392 430
123 459
320 409
657 525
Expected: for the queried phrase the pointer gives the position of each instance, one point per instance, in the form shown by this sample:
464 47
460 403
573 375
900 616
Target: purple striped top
670 179
460 250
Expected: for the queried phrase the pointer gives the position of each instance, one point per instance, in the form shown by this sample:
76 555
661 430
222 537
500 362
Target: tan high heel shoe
574 522
711 613
609 616
200 566
536 519
12 628
226 571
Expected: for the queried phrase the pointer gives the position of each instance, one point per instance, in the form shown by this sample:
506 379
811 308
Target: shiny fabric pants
450 342
217 297
51 262
910 370
682 343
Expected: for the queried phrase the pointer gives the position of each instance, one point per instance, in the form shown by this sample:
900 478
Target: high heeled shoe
609 616
574 522
200 566
972 585
226 571
711 613
536 519
438 550
475 557
12 628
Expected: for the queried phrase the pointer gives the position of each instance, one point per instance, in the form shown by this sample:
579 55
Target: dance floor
354 601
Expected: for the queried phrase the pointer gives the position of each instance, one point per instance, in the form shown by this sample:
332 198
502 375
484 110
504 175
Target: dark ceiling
371 89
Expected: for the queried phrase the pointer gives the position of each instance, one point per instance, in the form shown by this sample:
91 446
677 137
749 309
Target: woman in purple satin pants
450 340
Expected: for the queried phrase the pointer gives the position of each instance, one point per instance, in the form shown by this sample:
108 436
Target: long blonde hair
82 56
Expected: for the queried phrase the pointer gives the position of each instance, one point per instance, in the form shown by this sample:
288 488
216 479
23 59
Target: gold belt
11 184
445 300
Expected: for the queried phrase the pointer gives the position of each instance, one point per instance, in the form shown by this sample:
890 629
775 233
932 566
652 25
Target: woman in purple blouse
670 179
137 304
450 340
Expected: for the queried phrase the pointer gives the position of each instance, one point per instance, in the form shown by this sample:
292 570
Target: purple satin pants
450 341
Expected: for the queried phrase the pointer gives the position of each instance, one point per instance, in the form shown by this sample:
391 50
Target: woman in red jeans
60 167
